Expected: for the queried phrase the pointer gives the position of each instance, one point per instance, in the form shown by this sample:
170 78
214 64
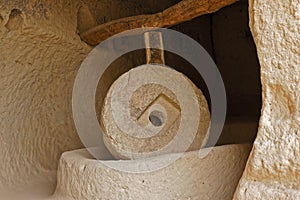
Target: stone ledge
190 177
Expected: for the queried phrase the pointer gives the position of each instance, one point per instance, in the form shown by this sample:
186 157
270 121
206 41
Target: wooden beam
181 12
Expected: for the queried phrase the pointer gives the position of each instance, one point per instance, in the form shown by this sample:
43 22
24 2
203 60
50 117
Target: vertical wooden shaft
155 54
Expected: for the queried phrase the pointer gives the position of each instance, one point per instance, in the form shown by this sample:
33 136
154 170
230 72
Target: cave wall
39 56
273 168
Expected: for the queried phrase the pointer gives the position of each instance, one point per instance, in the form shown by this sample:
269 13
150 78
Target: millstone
152 110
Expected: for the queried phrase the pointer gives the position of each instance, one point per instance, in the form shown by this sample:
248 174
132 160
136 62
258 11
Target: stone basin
190 177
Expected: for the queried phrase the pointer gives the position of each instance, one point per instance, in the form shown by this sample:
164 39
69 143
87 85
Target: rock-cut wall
273 169
39 56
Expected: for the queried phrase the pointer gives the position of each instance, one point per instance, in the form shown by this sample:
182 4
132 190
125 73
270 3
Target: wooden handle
181 12
154 48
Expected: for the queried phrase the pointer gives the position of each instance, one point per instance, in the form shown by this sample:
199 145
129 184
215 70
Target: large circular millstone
152 110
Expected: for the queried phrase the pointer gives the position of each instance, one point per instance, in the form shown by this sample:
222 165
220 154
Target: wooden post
154 55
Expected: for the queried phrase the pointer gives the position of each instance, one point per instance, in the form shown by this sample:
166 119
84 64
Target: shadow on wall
227 38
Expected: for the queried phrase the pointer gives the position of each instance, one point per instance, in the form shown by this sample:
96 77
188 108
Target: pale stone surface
255 190
190 177
273 169
38 60
164 95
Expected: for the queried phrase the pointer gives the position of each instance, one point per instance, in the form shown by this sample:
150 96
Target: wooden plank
181 12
